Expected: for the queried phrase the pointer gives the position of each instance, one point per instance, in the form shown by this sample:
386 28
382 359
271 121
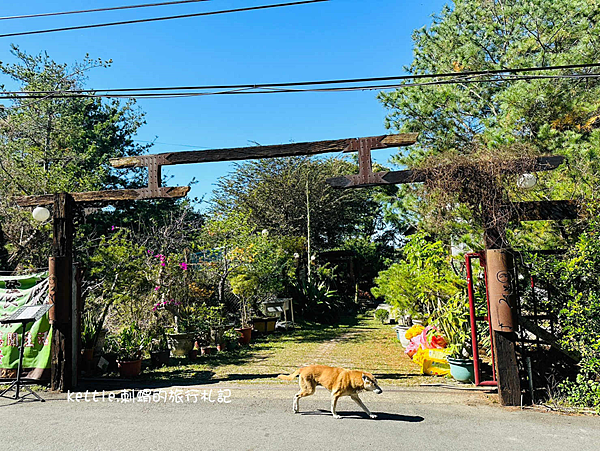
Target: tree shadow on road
363 416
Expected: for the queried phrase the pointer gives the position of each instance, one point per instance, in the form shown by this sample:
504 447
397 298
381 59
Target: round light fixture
40 214
526 181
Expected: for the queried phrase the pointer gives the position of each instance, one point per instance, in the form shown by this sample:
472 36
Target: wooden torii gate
500 286
64 323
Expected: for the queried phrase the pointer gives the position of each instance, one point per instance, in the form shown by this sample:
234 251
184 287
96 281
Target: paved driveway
260 417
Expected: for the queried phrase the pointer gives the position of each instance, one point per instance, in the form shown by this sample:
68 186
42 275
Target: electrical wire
455 75
258 89
156 19
114 8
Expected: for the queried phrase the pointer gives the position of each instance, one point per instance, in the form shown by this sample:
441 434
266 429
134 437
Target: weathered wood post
503 303
61 294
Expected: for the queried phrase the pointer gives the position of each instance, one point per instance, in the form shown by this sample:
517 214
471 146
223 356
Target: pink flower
183 266
156 288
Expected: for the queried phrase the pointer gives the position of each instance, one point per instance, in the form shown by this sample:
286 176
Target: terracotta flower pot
87 356
131 368
246 335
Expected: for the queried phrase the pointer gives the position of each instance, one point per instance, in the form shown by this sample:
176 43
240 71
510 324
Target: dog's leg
306 389
334 399
296 397
358 401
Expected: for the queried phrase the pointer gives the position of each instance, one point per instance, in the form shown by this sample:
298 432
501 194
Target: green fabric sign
15 292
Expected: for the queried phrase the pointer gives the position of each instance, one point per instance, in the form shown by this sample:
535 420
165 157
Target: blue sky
332 40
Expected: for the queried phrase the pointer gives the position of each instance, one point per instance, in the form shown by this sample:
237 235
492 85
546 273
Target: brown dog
338 381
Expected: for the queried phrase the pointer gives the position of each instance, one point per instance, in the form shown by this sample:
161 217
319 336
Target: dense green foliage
277 194
51 145
471 127
536 116
422 281
575 301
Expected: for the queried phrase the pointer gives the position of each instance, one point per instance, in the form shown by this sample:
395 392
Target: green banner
15 292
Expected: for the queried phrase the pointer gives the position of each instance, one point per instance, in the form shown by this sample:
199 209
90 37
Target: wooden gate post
61 294
502 304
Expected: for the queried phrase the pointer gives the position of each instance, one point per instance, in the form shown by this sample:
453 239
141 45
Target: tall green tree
279 194
50 144
537 116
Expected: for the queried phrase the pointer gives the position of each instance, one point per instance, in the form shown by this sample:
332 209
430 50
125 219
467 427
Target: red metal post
473 318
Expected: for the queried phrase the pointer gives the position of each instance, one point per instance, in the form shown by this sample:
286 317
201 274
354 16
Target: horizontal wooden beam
546 163
274 151
108 196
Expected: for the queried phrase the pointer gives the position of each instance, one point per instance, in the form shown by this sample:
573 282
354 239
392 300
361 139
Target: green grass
356 343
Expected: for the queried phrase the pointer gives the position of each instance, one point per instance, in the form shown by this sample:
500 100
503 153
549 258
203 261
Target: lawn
355 343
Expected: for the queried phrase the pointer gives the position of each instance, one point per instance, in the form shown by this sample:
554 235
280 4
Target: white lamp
264 233
40 214
526 181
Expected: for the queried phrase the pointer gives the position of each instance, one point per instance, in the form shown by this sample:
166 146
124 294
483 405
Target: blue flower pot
462 369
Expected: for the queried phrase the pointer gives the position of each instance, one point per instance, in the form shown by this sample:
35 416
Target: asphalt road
261 418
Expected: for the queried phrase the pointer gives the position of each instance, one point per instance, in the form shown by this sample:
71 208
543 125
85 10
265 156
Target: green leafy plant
452 320
318 302
130 342
231 336
90 327
157 339
244 287
422 281
382 315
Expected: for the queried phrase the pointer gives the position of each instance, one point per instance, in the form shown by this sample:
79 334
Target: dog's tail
291 377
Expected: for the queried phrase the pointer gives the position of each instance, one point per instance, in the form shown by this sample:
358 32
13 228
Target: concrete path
261 418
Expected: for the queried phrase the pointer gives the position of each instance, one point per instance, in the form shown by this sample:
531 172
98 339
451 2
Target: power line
264 89
289 90
455 75
156 19
114 8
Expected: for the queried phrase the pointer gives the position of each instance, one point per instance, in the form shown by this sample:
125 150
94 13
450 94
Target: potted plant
452 319
131 342
159 349
244 287
89 331
215 320
181 337
231 337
